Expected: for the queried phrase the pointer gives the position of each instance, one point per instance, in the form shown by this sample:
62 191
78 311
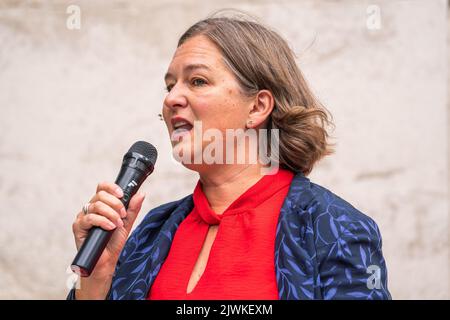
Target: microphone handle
129 180
90 251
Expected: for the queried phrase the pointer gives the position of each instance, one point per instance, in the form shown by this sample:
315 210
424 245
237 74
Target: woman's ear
261 108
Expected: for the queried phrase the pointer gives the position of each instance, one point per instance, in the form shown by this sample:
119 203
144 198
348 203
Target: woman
251 229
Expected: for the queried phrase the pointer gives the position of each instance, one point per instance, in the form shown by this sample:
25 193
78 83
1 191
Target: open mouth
180 129
184 125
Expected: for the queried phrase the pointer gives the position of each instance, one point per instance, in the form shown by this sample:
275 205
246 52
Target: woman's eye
198 82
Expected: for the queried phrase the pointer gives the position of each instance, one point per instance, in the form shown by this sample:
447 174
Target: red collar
250 199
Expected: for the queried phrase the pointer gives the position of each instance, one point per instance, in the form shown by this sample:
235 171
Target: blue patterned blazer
324 248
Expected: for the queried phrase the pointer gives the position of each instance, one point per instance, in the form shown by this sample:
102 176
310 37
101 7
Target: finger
113 202
111 188
133 209
94 220
103 209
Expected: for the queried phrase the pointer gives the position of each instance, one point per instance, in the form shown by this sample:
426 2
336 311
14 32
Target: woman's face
201 88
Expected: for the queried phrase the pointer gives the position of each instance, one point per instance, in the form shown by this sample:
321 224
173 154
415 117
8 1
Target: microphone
137 165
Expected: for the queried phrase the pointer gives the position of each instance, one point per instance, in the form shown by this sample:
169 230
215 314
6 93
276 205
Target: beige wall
73 101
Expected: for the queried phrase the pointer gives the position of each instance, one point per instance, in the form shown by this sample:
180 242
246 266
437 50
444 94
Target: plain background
73 101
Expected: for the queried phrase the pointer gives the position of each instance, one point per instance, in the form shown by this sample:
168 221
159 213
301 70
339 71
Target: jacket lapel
295 256
146 250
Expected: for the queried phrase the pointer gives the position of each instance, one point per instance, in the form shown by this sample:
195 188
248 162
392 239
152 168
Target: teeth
180 123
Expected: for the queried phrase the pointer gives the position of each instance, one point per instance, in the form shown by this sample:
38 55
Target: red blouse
241 262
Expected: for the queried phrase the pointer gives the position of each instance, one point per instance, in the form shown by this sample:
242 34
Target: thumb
133 210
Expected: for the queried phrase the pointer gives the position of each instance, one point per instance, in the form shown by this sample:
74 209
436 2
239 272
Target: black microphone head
146 149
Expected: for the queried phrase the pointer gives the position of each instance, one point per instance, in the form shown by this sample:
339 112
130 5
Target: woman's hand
107 212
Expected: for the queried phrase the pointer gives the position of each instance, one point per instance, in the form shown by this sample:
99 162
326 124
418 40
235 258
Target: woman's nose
175 98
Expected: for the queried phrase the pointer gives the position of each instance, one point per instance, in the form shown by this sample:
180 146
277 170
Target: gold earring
249 123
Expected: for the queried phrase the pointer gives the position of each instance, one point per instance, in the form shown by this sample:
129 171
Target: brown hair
261 59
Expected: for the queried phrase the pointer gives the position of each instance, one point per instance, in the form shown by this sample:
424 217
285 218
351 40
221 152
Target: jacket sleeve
352 266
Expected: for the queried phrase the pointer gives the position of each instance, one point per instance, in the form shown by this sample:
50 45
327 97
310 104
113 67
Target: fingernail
123 212
111 225
119 192
120 222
